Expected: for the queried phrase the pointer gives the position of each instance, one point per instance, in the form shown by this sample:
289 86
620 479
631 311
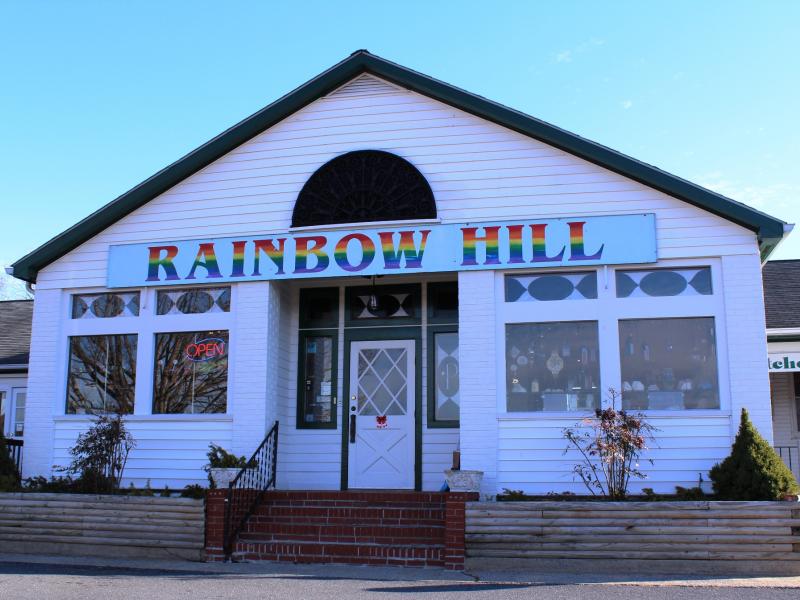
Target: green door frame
358 334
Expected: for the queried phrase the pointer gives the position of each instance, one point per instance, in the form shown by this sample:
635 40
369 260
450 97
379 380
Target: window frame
65 404
303 335
14 407
433 422
608 310
503 350
153 373
716 350
795 399
146 326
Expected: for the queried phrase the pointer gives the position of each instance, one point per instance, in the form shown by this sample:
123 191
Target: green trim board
358 334
303 336
792 337
433 423
410 306
442 300
319 308
769 230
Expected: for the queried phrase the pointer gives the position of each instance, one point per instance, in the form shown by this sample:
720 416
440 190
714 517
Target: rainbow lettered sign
389 249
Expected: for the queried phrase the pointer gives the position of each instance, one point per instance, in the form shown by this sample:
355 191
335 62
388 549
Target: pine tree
753 471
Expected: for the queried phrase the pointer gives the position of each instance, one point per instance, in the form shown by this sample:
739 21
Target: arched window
364 186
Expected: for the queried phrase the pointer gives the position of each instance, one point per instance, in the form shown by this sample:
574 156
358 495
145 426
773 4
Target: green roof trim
768 229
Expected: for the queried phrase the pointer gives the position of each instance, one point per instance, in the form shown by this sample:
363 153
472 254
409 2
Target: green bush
219 458
753 471
9 476
194 490
59 485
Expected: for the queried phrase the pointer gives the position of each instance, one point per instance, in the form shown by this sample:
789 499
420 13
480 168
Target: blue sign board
388 249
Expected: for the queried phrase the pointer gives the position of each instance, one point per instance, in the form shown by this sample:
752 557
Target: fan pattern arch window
364 186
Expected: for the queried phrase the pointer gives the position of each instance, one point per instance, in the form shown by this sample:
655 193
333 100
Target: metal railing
790 456
247 488
15 449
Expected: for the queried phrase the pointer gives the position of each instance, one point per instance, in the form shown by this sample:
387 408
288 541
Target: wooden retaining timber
90 525
752 531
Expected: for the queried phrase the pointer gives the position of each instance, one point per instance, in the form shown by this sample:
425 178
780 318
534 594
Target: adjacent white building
395 269
782 298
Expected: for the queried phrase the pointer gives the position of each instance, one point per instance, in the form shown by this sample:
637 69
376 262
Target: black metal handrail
247 488
15 448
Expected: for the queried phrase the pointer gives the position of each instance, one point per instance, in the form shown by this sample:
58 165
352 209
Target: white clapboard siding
477 170
784 419
633 530
168 452
531 457
307 458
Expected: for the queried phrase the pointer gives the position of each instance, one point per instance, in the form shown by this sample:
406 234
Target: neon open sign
206 349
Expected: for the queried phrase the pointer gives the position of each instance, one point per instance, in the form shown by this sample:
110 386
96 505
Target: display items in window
191 372
669 364
102 374
552 367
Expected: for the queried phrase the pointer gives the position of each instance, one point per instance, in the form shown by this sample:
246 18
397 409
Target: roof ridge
770 230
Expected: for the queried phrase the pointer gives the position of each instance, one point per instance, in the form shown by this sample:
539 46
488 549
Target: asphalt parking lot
51 577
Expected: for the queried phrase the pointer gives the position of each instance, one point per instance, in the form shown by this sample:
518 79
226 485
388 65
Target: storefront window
194 301
690 281
191 372
552 366
106 305
668 364
102 374
546 287
317 406
20 398
444 369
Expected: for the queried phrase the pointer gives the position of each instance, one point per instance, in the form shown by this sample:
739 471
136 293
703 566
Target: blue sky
97 96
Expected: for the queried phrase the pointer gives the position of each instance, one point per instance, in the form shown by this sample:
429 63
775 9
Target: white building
394 269
782 297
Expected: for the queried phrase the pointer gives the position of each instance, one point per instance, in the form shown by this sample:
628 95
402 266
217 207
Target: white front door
381 415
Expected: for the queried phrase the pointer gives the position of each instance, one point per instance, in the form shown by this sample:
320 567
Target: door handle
352 429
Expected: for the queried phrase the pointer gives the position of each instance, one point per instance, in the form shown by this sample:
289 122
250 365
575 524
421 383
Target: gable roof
782 293
15 333
768 229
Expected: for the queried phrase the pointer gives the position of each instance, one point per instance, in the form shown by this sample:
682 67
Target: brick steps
354 527
353 534
341 552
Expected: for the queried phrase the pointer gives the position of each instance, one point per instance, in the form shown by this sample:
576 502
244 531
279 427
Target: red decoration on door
381 421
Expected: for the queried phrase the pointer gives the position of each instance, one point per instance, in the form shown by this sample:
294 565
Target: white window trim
608 310
145 327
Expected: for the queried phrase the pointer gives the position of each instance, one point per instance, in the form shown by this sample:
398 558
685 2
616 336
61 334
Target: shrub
99 455
64 485
219 458
9 476
753 471
194 490
610 444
